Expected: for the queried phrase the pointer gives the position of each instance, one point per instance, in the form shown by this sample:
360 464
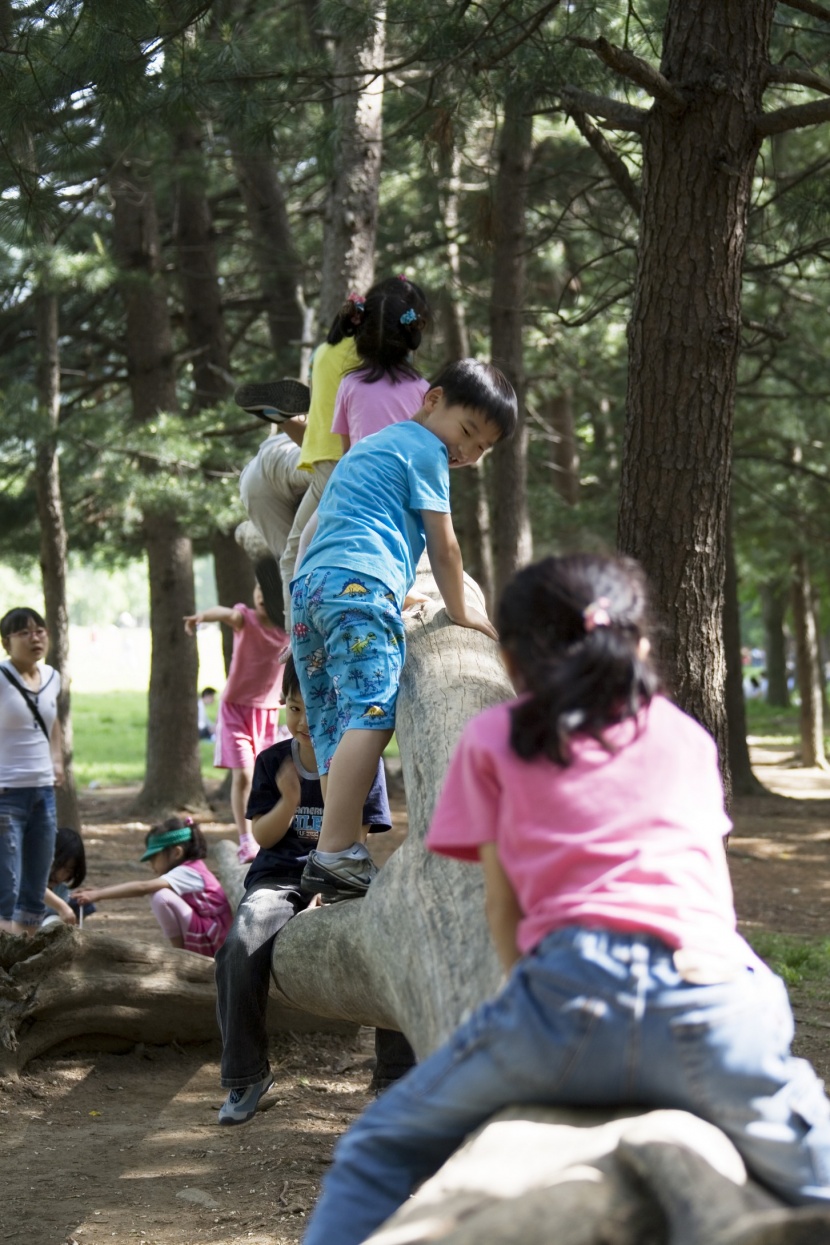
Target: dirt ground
117 1149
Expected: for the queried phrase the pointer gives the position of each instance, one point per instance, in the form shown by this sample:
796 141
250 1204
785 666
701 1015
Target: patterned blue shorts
347 637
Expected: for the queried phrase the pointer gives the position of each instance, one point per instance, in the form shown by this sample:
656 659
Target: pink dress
361 409
248 718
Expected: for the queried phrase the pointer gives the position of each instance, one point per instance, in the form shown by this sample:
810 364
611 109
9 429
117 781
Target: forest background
626 205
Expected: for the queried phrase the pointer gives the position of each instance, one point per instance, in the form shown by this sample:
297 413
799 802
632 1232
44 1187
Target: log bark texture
69 986
415 953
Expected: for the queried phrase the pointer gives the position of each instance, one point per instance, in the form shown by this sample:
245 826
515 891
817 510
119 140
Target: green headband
170 838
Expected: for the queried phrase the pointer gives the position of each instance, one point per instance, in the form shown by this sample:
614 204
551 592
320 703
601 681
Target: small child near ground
596 809
249 710
385 387
286 810
68 871
388 499
187 900
206 728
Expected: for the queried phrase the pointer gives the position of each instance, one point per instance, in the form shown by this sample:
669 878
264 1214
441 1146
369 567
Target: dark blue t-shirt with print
285 860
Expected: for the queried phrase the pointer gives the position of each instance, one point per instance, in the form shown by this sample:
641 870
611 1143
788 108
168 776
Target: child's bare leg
345 787
241 780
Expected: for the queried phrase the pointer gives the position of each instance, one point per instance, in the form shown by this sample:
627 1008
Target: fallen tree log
84 987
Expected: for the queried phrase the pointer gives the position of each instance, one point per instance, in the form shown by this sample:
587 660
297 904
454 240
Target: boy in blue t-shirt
388 499
286 811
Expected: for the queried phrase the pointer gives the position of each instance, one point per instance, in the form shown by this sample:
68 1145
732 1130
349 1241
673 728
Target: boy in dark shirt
286 811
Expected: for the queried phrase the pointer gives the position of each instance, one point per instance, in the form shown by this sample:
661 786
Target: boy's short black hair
208 691
290 682
480 387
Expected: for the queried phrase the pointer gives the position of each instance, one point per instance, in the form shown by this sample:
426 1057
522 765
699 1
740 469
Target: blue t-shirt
369 519
284 861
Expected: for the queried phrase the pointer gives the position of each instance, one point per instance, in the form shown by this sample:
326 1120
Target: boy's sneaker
274 400
346 878
241 1104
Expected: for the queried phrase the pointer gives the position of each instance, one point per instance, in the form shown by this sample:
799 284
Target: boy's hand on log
476 621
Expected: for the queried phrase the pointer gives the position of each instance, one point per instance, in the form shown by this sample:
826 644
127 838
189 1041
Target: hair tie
596 614
402 276
409 317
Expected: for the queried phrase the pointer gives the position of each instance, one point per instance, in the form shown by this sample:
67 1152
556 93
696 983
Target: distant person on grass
286 811
187 900
249 710
31 763
207 730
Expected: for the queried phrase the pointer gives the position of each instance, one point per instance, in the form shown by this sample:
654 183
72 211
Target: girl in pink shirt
595 807
385 387
249 711
187 900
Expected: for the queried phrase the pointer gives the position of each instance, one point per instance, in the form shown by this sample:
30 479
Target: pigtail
574 629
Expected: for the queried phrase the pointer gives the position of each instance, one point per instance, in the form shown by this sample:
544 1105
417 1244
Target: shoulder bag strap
32 706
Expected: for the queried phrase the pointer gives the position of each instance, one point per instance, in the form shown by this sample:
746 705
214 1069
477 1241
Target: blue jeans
28 825
600 1019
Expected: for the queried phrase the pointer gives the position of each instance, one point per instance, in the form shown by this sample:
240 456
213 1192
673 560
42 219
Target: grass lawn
110 732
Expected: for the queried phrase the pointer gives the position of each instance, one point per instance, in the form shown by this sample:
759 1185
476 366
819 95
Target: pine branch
635 69
620 175
794 118
809 7
619 116
800 77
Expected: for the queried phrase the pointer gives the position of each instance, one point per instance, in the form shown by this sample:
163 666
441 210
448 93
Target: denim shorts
347 637
28 824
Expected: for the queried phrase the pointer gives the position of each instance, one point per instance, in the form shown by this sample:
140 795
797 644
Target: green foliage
802 962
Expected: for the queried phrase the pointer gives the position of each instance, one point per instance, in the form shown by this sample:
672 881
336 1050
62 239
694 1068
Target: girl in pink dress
187 900
249 710
595 808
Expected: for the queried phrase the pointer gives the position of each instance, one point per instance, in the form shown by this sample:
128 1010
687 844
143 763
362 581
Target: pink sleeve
467 811
340 423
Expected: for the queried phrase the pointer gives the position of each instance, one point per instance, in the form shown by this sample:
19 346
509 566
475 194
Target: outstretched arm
448 571
217 613
122 890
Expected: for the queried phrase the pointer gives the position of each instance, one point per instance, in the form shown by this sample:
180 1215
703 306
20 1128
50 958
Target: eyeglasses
31 633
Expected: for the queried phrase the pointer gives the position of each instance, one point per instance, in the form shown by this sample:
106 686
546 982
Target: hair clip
409 317
596 614
402 276
357 300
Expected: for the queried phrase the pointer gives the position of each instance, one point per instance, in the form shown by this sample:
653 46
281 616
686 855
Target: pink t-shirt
629 840
361 409
255 676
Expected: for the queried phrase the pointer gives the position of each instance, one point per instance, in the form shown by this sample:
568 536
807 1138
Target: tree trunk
72 985
278 265
470 505
773 610
684 333
197 270
744 781
564 453
811 717
53 539
235 580
348 260
512 541
173 779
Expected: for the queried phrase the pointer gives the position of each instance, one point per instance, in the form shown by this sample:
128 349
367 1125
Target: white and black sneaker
241 1104
274 400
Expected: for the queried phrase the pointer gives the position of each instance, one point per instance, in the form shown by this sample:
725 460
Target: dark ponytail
573 626
387 325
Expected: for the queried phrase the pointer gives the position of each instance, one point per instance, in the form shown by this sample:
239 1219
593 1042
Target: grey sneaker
346 878
274 400
241 1104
